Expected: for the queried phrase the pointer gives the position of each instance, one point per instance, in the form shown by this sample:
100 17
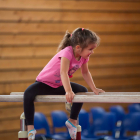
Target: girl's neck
76 55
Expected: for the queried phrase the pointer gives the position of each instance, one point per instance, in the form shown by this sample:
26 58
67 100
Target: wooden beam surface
107 97
92 93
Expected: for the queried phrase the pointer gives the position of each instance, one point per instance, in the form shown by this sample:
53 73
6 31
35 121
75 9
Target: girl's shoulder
68 48
66 52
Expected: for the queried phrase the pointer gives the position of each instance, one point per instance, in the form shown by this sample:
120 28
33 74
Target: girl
73 53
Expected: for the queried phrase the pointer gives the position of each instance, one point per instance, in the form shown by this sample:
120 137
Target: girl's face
88 51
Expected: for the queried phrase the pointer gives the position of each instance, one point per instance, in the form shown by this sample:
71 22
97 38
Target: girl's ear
78 48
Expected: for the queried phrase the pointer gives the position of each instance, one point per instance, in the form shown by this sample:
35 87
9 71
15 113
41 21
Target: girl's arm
65 78
88 78
64 73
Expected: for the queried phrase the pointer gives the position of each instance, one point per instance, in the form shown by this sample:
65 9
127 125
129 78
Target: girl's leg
30 93
76 107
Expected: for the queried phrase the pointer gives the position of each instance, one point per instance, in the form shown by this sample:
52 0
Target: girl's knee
84 89
28 95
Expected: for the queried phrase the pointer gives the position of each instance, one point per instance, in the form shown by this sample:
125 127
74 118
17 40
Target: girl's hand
96 91
69 96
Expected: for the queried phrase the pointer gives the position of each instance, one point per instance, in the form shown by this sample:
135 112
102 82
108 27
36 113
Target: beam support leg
22 134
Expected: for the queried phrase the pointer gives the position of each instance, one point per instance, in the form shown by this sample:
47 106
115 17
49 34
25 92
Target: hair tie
82 29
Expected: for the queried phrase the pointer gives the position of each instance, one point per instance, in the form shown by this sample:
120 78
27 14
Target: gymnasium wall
30 32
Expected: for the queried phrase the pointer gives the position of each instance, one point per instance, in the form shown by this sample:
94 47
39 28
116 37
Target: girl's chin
87 56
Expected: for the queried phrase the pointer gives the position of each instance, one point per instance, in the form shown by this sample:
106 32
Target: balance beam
88 97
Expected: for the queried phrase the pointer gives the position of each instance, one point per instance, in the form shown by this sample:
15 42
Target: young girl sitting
73 53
